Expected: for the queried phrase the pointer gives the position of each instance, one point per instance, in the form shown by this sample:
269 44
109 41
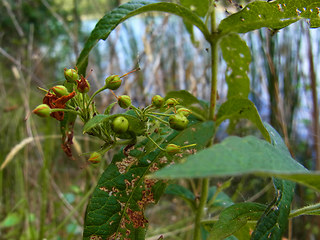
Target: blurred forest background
43 194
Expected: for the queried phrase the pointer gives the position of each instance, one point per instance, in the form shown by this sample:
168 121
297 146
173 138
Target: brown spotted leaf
116 208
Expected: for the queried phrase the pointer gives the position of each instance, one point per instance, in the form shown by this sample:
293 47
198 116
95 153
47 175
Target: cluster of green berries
56 101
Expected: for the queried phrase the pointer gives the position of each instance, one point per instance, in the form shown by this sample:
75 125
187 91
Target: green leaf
237 108
10 220
238 57
118 202
222 200
185 98
95 121
108 109
199 7
275 15
274 221
180 191
237 156
235 217
112 19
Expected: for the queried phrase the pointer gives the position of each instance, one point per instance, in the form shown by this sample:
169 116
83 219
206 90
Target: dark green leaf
275 15
238 108
222 200
235 217
118 202
274 221
112 19
180 191
238 57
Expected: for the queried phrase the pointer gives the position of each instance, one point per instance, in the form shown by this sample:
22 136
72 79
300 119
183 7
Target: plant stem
155 143
159 119
304 210
201 208
213 99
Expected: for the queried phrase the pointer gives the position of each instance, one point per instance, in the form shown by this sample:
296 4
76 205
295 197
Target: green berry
95 157
124 101
184 111
178 122
157 101
120 125
71 75
172 148
60 90
43 110
113 82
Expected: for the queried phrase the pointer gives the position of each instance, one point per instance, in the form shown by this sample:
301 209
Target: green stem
159 119
160 114
304 210
200 209
213 100
137 110
155 143
93 95
64 110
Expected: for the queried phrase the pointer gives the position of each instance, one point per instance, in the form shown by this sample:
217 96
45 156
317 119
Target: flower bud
60 90
178 122
172 148
171 102
113 82
184 112
124 101
95 158
120 125
43 110
157 101
71 75
83 85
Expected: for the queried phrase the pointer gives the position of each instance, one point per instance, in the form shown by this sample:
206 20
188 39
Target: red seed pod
71 75
95 158
173 148
60 90
113 82
43 110
184 111
171 102
157 101
178 122
124 101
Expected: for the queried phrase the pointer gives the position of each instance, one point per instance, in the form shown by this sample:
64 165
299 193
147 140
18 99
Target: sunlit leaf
238 57
275 15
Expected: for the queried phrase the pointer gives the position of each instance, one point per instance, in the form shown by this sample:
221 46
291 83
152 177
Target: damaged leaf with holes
116 208
274 15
